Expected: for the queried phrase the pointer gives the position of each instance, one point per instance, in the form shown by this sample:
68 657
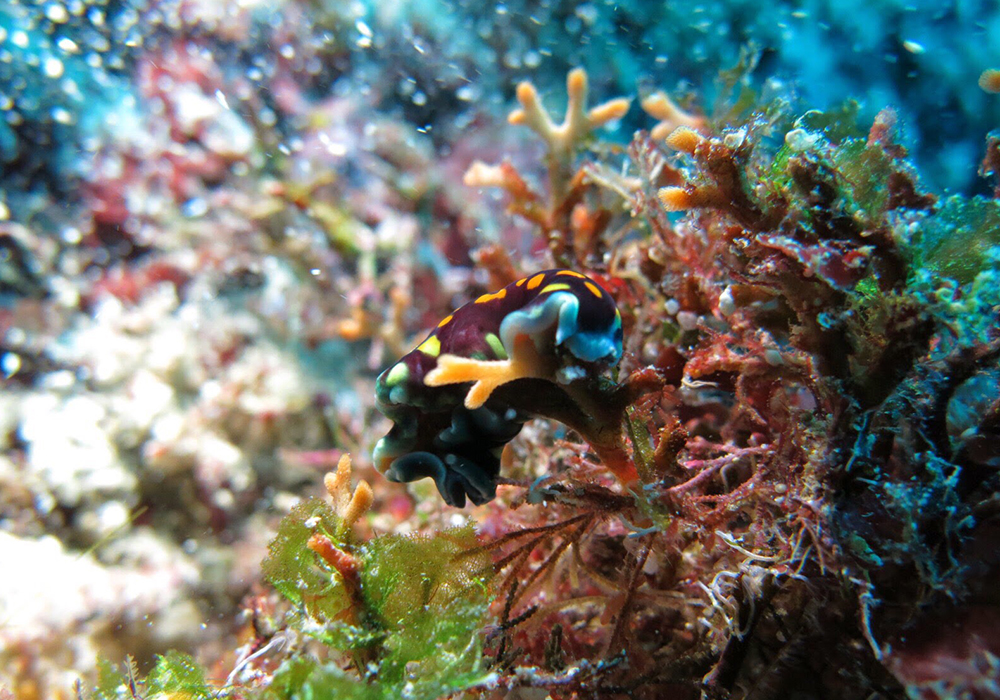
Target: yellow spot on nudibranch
431 346
446 320
521 281
397 374
490 297
554 288
571 273
536 280
595 290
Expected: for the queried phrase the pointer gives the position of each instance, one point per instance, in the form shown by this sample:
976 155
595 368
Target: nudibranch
536 348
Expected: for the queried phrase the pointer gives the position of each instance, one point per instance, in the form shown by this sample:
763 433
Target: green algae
413 626
291 566
960 239
174 674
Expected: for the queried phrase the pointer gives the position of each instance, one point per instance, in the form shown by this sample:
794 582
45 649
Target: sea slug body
464 392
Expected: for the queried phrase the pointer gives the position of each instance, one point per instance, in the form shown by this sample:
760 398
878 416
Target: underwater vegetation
811 365
718 371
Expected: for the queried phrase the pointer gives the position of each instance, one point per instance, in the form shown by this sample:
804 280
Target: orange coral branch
660 106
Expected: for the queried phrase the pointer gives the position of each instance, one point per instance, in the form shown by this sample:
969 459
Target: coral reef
796 351
737 439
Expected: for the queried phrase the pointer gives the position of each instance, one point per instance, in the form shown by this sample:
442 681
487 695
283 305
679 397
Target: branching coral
349 507
563 215
564 139
670 116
